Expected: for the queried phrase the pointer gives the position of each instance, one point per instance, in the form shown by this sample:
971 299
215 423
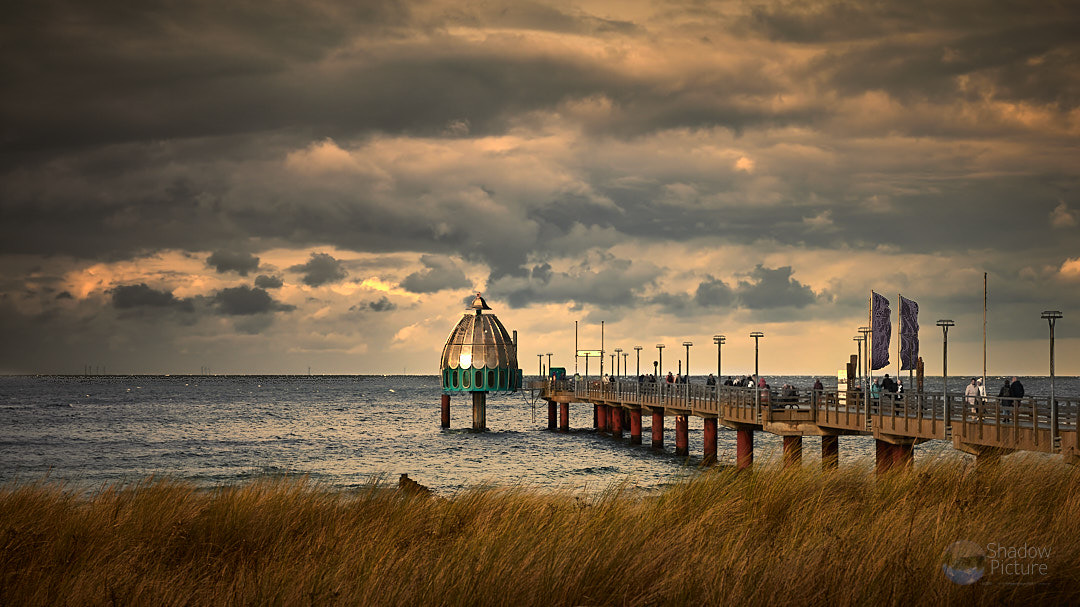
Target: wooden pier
987 427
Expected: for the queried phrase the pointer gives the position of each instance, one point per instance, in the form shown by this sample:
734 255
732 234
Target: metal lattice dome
479 355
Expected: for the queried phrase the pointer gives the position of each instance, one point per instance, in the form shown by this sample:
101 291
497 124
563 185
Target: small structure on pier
479 357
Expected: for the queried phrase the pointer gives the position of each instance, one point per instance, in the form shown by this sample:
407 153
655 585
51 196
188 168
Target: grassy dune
800 537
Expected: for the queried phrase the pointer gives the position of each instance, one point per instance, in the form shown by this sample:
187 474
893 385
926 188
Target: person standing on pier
1016 390
971 393
1003 397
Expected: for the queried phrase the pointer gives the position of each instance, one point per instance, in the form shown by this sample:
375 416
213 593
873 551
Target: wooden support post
792 451
601 418
830 452
625 418
709 434
903 456
616 421
635 426
479 410
564 417
552 423
596 416
682 435
445 410
744 448
658 428
883 456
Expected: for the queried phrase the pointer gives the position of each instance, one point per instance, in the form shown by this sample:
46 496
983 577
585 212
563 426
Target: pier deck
987 427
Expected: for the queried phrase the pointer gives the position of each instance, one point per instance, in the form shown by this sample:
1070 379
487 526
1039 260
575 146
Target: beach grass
791 536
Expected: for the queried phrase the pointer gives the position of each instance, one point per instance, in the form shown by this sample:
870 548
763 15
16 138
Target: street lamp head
1051 315
945 323
719 339
687 343
618 349
660 346
638 348
756 334
857 338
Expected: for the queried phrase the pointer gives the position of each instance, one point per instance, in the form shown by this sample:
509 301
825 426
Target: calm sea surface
342 431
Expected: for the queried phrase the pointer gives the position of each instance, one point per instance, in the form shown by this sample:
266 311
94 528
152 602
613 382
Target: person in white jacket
971 393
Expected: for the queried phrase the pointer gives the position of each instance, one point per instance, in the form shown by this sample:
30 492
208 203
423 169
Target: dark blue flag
909 333
881 327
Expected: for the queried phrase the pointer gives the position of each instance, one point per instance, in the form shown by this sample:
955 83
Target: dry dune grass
794 536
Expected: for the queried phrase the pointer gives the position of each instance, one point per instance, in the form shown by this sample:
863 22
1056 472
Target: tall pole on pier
618 352
719 340
863 374
757 378
984 388
541 364
601 348
688 344
858 339
625 368
575 347
660 347
638 350
549 361
1051 316
945 324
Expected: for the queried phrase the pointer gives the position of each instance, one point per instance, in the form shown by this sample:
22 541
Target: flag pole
985 292
869 360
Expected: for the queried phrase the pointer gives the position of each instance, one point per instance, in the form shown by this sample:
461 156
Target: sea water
345 431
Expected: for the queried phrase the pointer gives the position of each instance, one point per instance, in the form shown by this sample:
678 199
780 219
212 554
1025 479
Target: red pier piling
445 410
658 428
830 452
744 448
601 418
682 435
709 434
551 415
635 426
616 421
792 451
564 417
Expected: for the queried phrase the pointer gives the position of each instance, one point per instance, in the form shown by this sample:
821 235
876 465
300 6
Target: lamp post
1051 316
618 352
541 364
625 369
719 340
612 368
757 393
660 347
945 324
687 344
858 357
864 371
549 361
638 350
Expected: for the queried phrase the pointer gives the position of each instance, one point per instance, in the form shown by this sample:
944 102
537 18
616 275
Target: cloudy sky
270 186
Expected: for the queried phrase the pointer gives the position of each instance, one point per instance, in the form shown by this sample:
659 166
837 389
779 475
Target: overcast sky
270 186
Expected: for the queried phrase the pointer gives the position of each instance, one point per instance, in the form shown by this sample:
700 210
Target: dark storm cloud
713 292
128 297
773 288
229 261
611 284
320 269
263 281
382 304
245 301
439 273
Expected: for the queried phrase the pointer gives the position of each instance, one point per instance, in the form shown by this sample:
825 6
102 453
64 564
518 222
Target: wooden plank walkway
989 426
